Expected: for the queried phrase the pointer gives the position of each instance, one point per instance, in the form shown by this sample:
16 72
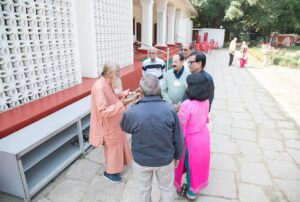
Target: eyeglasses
185 49
191 62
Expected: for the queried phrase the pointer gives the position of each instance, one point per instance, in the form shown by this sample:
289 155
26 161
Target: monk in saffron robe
106 113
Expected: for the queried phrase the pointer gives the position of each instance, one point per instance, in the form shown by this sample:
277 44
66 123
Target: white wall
137 13
105 34
113 25
216 34
38 50
86 33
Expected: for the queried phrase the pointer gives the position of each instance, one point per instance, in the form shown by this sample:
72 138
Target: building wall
217 35
113 26
38 50
47 46
85 18
137 13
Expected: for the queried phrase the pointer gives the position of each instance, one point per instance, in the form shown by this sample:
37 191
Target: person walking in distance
231 50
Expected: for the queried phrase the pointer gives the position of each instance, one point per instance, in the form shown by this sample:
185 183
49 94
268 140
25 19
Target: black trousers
230 58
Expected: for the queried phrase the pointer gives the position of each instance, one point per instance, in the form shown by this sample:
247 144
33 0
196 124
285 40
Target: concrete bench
33 155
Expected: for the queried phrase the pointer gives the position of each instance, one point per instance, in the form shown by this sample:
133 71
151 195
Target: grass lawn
294 48
283 56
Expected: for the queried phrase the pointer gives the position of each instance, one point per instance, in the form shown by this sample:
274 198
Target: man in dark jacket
196 63
157 141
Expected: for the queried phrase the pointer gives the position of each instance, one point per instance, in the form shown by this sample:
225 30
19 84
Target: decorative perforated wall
114 37
37 54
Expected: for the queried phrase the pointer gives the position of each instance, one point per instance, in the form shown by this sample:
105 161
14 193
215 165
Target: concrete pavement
255 144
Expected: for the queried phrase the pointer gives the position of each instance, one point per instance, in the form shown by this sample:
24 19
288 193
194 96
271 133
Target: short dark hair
181 57
199 57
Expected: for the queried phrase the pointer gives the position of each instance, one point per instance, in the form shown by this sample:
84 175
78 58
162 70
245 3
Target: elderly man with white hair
154 65
106 113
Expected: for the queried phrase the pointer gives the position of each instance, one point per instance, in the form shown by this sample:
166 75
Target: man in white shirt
231 50
154 65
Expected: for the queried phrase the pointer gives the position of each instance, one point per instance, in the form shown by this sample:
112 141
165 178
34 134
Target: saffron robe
106 114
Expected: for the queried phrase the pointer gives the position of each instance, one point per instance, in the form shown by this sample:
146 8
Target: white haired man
157 141
154 65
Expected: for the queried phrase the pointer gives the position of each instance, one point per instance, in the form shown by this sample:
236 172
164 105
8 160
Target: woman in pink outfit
193 116
244 54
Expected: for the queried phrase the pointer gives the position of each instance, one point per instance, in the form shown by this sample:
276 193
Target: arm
123 94
184 117
144 68
211 93
178 139
125 124
184 97
105 110
164 69
164 90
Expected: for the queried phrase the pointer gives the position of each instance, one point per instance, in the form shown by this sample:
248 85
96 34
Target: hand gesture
175 163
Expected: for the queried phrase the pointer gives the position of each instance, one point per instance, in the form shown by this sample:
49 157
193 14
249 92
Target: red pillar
205 36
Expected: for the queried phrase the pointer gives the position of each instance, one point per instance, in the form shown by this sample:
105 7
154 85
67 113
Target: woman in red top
244 54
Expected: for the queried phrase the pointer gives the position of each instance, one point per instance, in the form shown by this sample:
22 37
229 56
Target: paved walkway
255 144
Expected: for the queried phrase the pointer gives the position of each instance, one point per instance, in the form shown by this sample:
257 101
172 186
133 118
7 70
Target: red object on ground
204 47
242 63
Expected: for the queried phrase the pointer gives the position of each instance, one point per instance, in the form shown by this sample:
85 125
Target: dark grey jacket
156 134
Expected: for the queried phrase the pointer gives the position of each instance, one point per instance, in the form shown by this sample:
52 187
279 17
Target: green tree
236 16
210 12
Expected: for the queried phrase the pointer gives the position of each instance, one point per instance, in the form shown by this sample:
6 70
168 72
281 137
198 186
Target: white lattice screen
37 55
113 23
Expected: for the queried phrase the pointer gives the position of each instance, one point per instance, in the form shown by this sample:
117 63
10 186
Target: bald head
152 52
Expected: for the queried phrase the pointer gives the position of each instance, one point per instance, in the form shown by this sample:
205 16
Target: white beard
117 84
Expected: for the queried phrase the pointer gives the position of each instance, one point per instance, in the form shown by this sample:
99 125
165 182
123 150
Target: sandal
190 196
182 191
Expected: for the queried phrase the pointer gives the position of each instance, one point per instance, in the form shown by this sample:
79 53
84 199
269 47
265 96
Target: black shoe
114 178
75 142
85 138
182 191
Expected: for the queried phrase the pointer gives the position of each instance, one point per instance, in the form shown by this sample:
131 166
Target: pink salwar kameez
193 116
244 56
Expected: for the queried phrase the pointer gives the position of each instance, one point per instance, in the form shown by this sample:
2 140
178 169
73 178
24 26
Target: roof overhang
191 8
